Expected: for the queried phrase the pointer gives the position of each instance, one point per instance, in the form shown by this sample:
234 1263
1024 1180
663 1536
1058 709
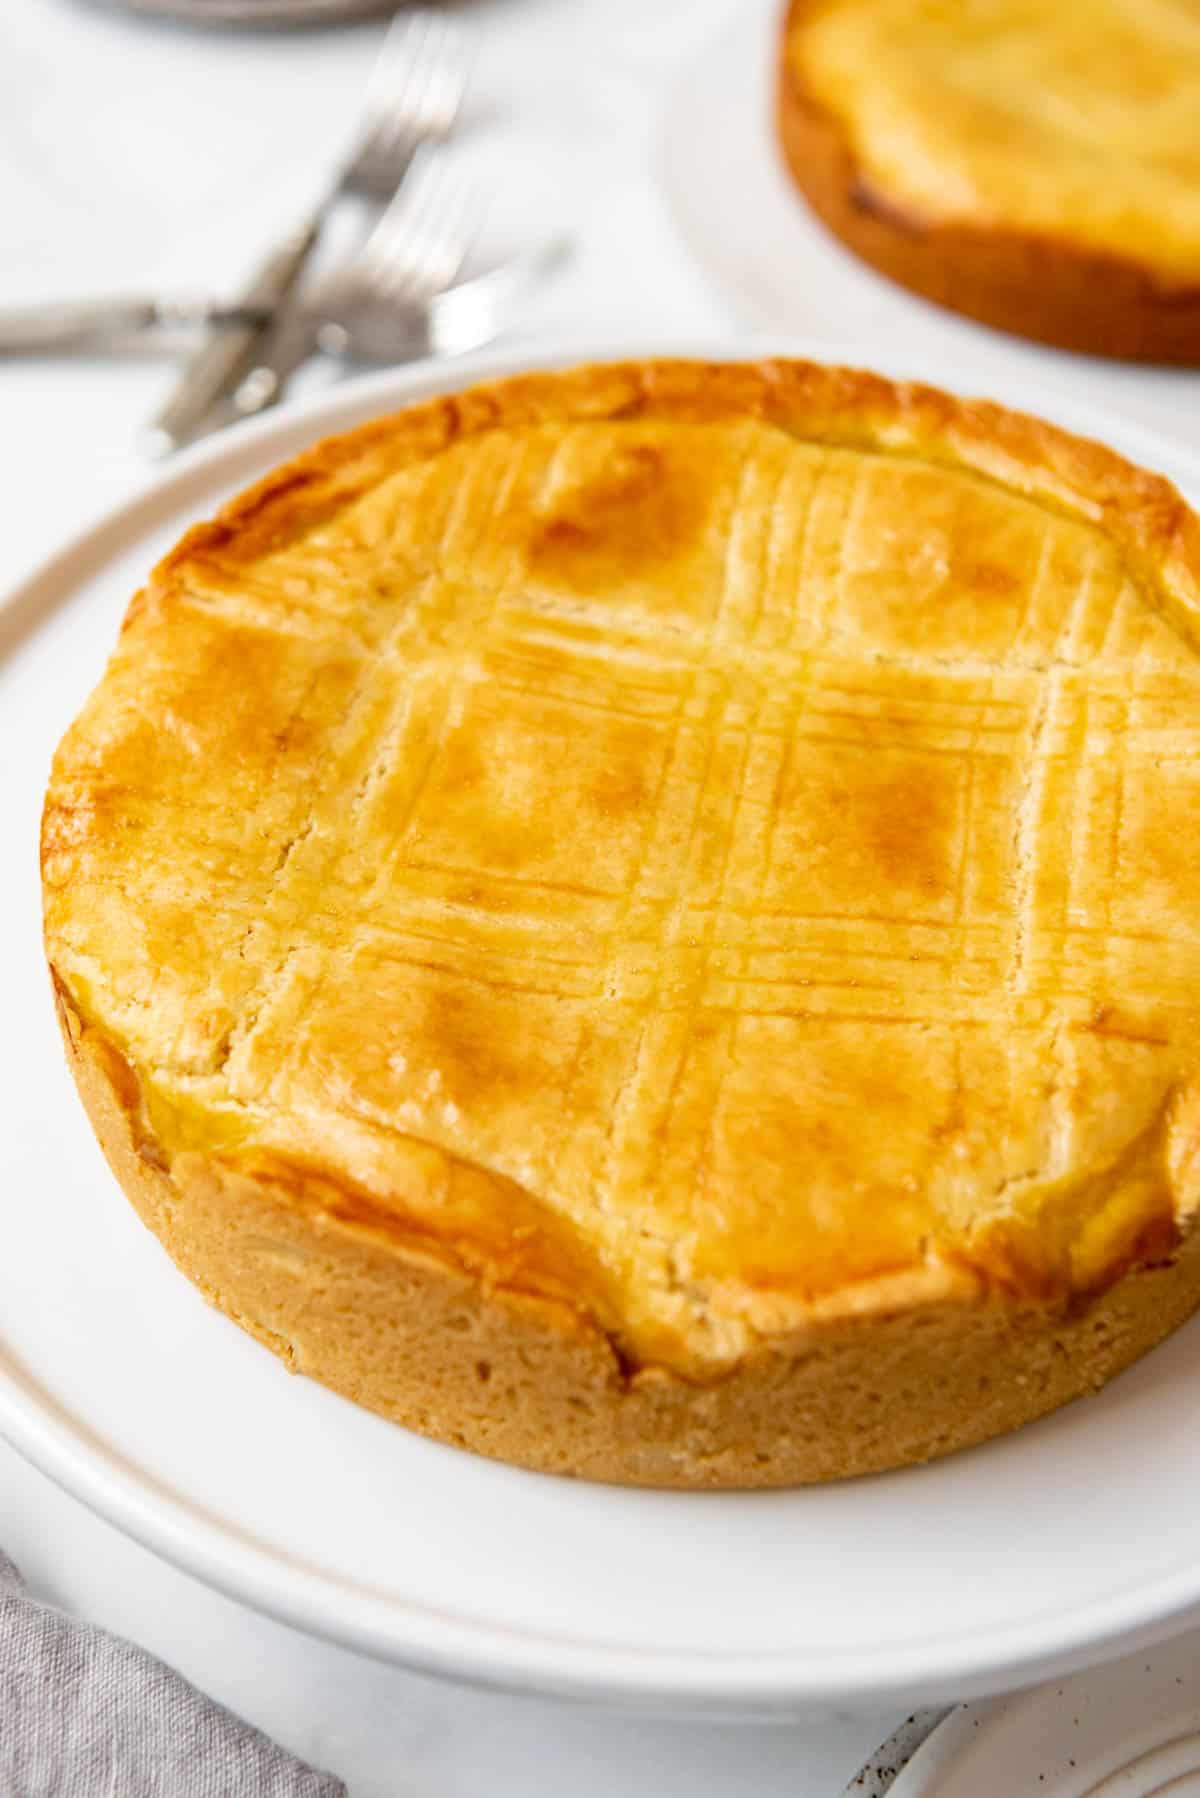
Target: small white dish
1037 1554
1129 1730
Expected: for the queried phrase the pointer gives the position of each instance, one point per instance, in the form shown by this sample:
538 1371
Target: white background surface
131 154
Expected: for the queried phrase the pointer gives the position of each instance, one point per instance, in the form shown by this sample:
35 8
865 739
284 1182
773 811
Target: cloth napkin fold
84 1715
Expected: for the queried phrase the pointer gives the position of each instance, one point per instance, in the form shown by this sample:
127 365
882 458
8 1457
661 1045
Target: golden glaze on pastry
1037 166
645 920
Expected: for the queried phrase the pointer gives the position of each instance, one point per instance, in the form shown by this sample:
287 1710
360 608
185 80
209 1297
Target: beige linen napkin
84 1714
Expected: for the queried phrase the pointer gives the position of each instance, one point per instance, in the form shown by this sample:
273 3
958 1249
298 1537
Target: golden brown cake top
720 845
1076 119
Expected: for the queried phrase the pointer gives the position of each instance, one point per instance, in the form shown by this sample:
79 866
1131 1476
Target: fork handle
282 350
215 369
72 324
55 327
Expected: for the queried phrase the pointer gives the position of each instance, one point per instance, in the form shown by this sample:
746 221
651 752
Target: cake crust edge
536 1383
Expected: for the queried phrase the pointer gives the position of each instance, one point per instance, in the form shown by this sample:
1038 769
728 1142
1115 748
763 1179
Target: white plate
256 13
1131 1730
750 230
1072 1540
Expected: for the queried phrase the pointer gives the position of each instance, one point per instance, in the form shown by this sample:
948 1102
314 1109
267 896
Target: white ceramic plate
1072 1540
1131 1730
751 232
256 13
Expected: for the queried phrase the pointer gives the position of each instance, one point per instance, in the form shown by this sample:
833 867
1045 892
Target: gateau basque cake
646 921
1034 165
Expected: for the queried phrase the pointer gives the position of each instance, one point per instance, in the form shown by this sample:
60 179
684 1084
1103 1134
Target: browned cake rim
1040 285
966 1356
852 408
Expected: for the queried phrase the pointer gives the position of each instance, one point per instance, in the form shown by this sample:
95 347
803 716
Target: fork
414 252
413 95
363 321
459 318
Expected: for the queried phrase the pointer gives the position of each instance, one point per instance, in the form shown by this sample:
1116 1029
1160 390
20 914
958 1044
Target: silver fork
413 254
463 317
413 96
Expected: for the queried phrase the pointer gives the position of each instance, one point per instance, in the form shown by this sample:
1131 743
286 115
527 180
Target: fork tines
419 242
413 95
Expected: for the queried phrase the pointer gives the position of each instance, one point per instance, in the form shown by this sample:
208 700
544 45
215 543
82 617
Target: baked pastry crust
1037 168
643 921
